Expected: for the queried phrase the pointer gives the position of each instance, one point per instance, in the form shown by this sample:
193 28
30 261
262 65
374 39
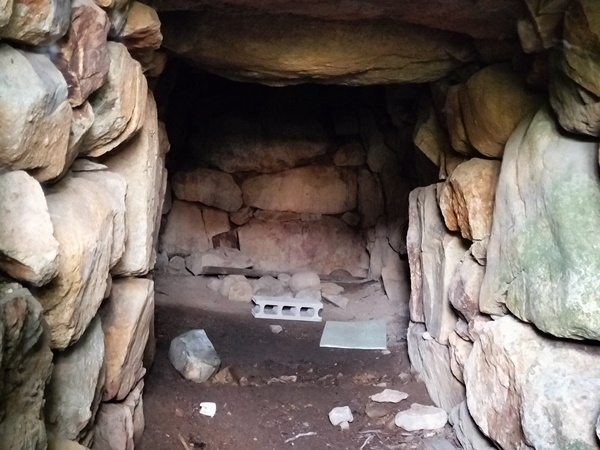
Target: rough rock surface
322 246
431 361
370 198
304 280
467 198
36 23
142 28
543 253
311 189
527 408
194 356
27 244
82 217
350 154
82 55
421 417
211 187
119 105
466 430
25 368
35 114
126 317
318 51
74 391
141 163
184 232
465 286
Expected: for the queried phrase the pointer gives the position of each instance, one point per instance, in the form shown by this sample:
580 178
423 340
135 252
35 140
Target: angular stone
460 349
493 103
403 53
36 22
431 362
74 392
177 266
322 246
310 189
467 198
34 113
141 163
268 286
466 430
370 198
184 231
340 414
465 287
389 396
304 280
211 187
126 317
351 219
218 257
215 222
83 118
527 408
119 105
396 283
437 253
429 135
350 154
543 252
194 356
338 300
229 281
25 368
82 55
241 216
142 28
82 217
27 244
5 11
421 417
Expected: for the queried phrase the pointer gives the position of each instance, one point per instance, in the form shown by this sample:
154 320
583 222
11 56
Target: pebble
340 414
421 417
389 396
276 329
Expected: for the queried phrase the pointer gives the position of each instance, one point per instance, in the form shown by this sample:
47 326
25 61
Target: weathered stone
184 231
25 368
338 300
413 246
119 105
460 349
27 244
82 55
5 11
421 417
543 253
211 187
466 430
241 216
331 289
350 154
431 362
268 286
465 287
304 280
284 216
322 246
453 110
36 23
526 408
194 356
142 28
340 414
229 281
177 266
467 198
82 217
83 118
396 282
74 391
126 317
141 164
437 253
324 51
35 115
215 222
58 443
218 257
370 198
542 27
240 291
311 189
351 219
429 135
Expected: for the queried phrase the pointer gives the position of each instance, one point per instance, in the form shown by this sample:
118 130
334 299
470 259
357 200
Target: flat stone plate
364 335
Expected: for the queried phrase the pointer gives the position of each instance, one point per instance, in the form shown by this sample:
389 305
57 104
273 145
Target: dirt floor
262 408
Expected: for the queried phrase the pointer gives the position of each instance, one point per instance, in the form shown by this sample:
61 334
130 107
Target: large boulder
141 163
435 254
74 392
34 113
211 187
82 216
37 22
318 50
25 368
467 198
82 55
323 246
126 317
310 189
142 28
527 391
184 232
119 105
27 244
543 256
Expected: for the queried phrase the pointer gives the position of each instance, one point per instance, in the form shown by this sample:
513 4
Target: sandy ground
259 409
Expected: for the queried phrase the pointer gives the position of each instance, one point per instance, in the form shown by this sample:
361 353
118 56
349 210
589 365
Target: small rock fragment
194 356
338 300
421 417
331 289
208 409
276 329
376 410
340 414
389 396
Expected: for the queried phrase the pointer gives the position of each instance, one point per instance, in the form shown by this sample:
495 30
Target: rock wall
503 251
82 180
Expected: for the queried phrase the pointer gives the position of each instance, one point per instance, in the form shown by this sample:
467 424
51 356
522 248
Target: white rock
229 281
27 243
285 279
340 414
309 293
304 280
240 291
268 286
194 356
421 417
396 282
389 396
276 329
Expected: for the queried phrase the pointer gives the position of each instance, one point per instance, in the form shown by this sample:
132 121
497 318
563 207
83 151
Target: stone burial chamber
451 139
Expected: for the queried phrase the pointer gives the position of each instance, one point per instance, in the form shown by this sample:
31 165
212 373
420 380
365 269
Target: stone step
286 308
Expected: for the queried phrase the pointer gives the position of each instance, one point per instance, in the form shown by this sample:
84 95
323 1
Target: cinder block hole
290 311
271 309
307 312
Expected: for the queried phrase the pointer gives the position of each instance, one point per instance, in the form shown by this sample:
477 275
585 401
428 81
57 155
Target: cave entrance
264 183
